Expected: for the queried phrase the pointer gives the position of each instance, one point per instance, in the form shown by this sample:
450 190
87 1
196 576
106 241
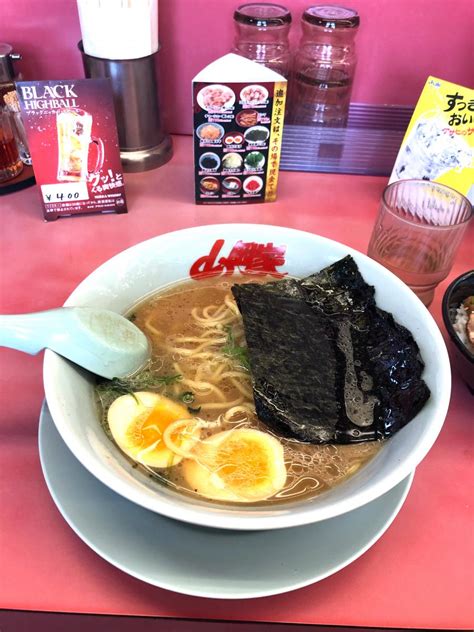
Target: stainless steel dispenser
135 85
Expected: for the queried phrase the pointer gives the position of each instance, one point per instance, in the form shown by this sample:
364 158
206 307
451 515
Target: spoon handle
98 340
30 332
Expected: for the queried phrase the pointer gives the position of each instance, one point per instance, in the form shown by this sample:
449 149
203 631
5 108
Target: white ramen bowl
123 280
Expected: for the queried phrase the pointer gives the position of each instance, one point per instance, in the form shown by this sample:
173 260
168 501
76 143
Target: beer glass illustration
74 128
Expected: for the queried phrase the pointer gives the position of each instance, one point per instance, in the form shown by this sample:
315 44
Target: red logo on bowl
249 258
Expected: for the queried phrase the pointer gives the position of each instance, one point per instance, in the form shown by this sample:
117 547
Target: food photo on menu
254 291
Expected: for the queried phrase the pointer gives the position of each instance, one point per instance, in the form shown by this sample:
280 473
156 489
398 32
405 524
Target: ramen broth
197 336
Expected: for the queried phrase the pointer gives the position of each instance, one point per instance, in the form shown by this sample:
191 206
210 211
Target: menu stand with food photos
239 111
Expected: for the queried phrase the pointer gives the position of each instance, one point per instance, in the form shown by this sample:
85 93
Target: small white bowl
216 108
256 142
245 91
153 264
210 154
255 179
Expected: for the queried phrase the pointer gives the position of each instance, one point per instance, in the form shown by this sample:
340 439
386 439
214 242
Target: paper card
239 109
73 141
439 142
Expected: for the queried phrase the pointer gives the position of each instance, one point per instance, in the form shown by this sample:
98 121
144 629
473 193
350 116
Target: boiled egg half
137 423
240 465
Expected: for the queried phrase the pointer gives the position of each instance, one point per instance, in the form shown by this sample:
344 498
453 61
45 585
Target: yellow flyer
439 142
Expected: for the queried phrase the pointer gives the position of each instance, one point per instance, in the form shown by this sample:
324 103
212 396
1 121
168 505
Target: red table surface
420 574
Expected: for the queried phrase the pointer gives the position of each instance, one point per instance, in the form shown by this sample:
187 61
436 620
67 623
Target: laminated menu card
439 142
239 109
74 146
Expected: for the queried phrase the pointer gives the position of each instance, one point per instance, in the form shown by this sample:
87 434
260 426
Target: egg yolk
139 422
242 463
147 429
238 465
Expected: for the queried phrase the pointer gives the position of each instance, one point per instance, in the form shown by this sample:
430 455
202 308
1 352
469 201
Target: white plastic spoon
98 340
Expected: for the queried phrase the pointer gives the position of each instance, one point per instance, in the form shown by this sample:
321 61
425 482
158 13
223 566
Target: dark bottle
9 99
261 34
323 67
7 72
10 162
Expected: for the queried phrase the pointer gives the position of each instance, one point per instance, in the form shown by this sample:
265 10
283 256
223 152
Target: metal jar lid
7 72
262 14
332 16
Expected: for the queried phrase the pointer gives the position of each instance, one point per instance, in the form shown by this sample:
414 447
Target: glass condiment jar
324 66
261 34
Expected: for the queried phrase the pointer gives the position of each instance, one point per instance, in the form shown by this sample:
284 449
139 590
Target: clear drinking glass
417 232
10 162
261 34
74 138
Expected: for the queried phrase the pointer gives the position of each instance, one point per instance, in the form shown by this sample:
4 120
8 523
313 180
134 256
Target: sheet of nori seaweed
295 331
